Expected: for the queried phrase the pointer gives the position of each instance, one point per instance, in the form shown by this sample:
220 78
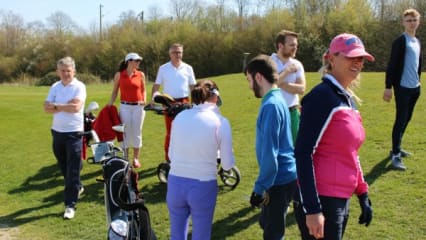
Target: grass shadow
238 221
147 173
379 169
49 177
234 223
17 218
46 177
154 193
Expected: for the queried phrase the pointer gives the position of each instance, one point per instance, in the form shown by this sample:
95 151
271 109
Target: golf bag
127 215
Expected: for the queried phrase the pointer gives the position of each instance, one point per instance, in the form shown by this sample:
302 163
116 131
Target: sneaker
397 162
80 192
403 153
136 163
69 213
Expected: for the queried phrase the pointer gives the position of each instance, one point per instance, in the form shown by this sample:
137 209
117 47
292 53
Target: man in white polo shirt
66 102
177 78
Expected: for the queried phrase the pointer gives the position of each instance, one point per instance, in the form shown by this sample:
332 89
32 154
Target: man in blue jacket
276 183
403 75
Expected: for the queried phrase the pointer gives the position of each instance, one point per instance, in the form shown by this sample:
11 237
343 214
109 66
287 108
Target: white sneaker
69 213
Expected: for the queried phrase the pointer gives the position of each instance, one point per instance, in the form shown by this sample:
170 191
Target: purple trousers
189 197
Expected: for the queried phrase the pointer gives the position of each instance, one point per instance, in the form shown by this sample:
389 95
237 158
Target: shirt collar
337 84
274 89
206 106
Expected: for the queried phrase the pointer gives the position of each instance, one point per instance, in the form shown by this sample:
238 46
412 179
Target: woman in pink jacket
326 151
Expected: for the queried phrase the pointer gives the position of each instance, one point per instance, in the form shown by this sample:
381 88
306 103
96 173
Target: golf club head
93 106
118 128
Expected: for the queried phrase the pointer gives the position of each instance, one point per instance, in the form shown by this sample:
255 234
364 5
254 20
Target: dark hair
123 65
264 65
203 90
281 36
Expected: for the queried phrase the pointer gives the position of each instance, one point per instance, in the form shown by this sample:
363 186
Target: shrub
52 77
88 78
48 79
7 67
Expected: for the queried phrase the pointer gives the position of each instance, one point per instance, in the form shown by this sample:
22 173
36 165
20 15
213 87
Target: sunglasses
137 60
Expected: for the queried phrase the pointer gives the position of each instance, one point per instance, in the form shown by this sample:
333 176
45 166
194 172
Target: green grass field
31 186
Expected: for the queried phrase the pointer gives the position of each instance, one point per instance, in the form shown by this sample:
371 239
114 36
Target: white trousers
132 116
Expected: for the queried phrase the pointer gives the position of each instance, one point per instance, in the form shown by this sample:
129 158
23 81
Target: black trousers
67 149
336 213
405 100
273 216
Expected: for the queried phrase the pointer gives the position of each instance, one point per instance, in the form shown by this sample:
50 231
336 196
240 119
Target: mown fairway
31 186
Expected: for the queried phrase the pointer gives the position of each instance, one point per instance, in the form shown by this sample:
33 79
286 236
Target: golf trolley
126 213
230 178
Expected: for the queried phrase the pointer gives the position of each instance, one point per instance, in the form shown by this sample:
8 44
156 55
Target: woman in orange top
131 83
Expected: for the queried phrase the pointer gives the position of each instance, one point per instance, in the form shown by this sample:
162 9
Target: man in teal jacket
276 183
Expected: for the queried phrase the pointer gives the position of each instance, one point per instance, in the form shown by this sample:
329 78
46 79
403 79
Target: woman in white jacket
196 137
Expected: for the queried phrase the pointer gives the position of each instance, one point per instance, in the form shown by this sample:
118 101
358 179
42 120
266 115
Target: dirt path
8 233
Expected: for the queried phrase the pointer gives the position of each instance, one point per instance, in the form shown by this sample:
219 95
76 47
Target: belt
292 108
131 103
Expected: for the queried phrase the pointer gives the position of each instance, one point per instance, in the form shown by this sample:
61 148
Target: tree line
217 37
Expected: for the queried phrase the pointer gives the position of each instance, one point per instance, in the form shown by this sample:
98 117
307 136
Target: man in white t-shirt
66 102
177 79
291 77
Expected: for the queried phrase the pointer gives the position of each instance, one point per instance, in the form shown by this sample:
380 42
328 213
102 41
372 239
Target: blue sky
83 12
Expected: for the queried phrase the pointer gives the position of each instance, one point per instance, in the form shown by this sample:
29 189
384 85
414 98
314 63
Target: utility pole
100 22
140 15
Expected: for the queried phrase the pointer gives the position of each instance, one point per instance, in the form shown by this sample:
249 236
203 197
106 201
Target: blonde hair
354 85
411 12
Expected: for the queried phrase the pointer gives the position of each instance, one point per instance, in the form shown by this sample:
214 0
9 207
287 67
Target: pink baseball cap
349 45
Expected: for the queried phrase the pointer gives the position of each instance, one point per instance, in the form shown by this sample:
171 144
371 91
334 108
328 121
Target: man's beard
287 54
256 89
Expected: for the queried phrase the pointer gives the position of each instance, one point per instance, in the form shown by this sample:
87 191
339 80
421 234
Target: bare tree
182 9
242 6
36 29
155 13
12 32
61 23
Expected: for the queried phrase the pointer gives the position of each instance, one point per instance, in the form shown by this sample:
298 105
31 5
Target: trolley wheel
163 171
230 178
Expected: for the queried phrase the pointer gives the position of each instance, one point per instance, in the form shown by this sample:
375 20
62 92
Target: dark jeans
273 215
405 100
67 149
336 213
